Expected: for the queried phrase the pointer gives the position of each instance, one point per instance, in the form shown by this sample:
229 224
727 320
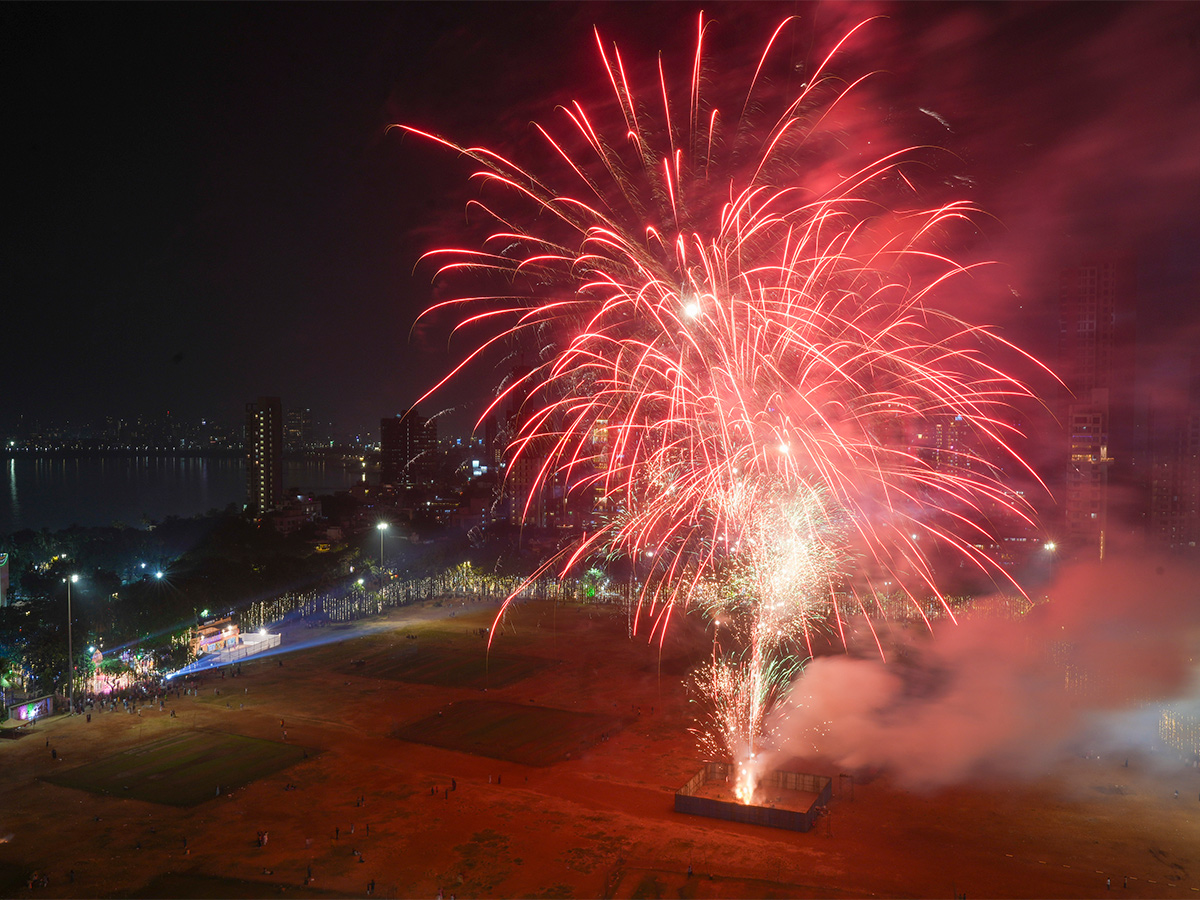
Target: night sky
204 204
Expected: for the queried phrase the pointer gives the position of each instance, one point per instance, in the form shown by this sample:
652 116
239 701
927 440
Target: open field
597 824
446 667
184 769
530 735
198 886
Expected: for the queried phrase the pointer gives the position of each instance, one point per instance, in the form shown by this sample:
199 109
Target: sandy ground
597 826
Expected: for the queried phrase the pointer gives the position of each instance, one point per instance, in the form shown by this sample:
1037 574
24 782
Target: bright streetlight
1051 549
70 648
382 526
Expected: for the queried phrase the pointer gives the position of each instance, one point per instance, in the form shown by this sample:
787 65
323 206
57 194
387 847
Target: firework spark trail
748 332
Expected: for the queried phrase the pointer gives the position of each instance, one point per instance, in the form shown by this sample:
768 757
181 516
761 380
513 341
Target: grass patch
447 667
555 892
181 886
482 862
649 888
183 770
530 735
13 878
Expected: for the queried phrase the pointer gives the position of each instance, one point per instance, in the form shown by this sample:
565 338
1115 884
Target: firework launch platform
799 798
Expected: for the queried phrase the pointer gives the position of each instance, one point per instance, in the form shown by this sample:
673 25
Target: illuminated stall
214 636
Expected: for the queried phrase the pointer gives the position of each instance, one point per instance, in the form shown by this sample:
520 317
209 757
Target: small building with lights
215 635
27 711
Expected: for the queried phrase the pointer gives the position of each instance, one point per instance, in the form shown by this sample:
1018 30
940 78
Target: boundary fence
772 817
250 645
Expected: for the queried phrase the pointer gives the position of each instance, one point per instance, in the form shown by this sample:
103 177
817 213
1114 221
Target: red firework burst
723 327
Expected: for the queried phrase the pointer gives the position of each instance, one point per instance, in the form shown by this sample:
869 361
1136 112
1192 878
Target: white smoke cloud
1084 673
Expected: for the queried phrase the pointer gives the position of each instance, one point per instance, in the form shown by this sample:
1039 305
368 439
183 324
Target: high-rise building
1086 501
492 451
945 443
1175 488
1096 343
297 430
1174 518
264 455
408 449
517 389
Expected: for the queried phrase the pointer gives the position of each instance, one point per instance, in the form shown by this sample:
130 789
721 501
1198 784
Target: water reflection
14 501
56 492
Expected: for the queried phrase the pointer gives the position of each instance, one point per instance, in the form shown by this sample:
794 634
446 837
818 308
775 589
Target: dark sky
203 205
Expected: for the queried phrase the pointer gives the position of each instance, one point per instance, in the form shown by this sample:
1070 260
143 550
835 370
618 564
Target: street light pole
70 648
382 526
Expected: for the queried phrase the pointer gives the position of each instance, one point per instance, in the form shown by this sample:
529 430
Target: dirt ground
596 825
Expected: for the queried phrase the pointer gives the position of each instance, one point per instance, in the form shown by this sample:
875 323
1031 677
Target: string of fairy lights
360 600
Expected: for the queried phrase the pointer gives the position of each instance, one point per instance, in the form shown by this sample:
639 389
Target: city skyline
220 212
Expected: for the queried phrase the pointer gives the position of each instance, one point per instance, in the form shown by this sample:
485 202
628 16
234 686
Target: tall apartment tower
264 455
1086 502
1174 520
1175 486
297 429
1096 342
946 444
408 448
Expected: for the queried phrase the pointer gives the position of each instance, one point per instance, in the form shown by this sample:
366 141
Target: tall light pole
70 649
382 526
